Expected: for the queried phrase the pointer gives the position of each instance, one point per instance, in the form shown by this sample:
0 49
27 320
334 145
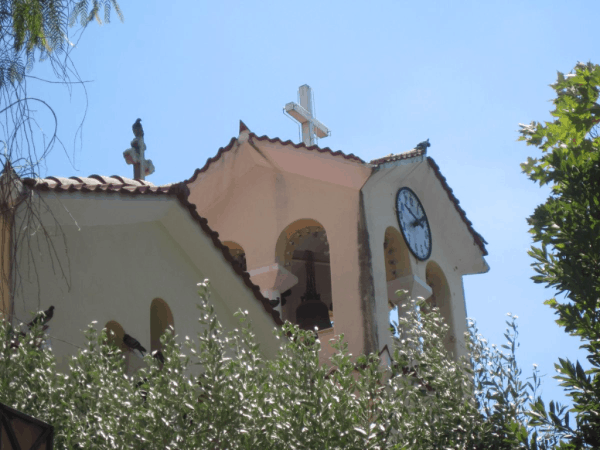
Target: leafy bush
220 392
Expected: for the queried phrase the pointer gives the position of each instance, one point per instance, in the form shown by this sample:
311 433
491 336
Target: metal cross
303 113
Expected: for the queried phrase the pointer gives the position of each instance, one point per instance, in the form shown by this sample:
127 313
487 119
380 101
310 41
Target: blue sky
386 76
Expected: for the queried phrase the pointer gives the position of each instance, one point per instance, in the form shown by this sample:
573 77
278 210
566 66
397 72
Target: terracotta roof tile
399 156
311 148
122 185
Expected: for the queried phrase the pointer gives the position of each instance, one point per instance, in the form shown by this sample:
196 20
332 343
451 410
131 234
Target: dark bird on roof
133 344
42 318
423 145
137 128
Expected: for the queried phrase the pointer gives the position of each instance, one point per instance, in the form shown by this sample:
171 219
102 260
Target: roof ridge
412 153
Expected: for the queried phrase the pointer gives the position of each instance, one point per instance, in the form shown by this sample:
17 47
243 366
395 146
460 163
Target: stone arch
299 242
442 298
115 333
237 253
161 318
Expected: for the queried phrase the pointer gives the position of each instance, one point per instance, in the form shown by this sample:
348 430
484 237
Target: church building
285 231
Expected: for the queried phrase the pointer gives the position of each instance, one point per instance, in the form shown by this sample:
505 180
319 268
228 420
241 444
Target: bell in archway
312 312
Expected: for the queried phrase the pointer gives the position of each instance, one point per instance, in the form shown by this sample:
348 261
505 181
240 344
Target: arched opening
303 250
397 268
161 318
237 253
115 333
441 298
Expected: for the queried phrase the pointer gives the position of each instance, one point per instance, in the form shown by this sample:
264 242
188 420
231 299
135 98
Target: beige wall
453 248
117 270
265 187
258 188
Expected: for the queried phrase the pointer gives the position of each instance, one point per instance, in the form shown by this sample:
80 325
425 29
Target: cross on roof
303 113
136 154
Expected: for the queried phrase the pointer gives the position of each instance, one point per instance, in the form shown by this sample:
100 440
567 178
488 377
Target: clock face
413 223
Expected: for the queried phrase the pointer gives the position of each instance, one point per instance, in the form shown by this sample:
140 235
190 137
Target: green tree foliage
30 26
218 391
30 30
567 230
33 30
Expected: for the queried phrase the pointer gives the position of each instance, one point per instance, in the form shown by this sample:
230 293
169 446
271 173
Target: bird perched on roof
423 145
42 317
133 344
137 128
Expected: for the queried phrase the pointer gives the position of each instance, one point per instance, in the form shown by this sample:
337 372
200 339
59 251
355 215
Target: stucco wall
453 248
116 270
257 202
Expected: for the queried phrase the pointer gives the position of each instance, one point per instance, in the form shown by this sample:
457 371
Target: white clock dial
413 223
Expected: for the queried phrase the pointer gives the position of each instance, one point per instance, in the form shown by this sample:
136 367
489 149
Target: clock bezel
406 241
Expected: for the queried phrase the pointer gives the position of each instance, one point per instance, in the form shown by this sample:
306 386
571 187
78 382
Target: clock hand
411 213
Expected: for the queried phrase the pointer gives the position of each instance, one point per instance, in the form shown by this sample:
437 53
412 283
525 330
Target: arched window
161 318
303 250
397 267
441 298
238 254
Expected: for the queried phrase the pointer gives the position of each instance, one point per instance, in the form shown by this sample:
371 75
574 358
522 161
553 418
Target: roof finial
136 154
243 127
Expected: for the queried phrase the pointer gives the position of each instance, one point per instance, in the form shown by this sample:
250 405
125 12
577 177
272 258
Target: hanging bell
312 312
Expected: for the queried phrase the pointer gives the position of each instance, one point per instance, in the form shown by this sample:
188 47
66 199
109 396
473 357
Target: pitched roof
252 136
479 240
128 186
414 153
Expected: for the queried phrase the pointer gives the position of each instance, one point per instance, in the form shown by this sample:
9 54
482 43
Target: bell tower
328 238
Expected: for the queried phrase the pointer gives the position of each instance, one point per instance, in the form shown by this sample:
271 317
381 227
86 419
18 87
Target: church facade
284 231
297 215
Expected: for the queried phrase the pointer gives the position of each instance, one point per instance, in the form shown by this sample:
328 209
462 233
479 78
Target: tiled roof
400 156
350 157
252 136
117 184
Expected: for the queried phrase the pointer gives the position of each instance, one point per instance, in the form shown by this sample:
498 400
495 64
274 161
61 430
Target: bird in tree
159 356
133 344
137 128
423 145
42 318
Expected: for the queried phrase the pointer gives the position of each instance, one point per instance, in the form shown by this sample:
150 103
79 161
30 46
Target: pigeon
143 393
137 128
159 356
42 318
133 344
423 145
